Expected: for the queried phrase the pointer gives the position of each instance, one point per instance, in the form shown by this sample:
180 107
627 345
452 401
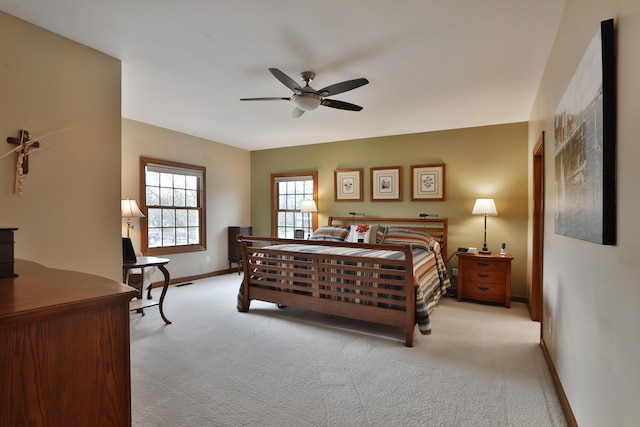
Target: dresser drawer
484 292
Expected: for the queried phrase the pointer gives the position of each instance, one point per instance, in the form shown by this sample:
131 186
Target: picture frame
585 146
386 184
347 185
428 182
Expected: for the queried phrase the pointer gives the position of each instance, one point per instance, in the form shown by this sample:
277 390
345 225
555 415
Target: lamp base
485 252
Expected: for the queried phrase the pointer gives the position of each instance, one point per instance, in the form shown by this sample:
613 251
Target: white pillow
369 235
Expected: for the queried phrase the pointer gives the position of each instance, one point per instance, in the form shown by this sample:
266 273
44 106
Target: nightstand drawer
486 264
484 291
485 275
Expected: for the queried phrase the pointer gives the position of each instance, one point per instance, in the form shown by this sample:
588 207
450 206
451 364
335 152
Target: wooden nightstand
485 278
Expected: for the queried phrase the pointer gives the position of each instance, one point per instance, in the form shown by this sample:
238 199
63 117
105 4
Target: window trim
144 225
280 177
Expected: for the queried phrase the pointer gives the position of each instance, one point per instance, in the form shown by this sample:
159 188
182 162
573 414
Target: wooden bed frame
308 280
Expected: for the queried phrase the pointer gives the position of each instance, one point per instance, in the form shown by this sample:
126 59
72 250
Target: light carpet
481 366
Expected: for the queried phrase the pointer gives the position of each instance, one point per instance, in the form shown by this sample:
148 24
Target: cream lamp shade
484 206
308 206
129 209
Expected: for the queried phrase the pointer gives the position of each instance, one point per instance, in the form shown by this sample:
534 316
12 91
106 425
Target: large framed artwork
427 182
347 185
585 146
386 184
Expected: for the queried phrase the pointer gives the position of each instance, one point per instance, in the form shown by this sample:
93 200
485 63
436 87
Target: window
288 192
174 201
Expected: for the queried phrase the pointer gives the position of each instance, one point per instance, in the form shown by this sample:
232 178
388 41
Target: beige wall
485 161
591 292
68 216
227 188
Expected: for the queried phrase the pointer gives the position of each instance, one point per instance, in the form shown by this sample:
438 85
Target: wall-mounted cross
23 140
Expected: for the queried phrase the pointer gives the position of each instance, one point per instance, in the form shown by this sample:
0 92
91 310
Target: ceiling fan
307 98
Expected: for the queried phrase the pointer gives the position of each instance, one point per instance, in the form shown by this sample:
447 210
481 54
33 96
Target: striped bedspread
430 275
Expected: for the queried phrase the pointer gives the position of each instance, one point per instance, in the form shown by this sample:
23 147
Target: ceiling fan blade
286 80
342 87
340 105
297 113
273 98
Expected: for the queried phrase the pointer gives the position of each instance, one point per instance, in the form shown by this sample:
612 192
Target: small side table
485 277
141 263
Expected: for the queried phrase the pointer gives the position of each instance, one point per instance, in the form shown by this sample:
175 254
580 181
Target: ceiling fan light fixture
307 98
307 101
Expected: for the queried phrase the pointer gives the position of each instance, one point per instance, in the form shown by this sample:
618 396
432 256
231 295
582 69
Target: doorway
535 300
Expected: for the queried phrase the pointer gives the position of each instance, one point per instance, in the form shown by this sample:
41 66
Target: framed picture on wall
585 146
386 183
428 182
347 185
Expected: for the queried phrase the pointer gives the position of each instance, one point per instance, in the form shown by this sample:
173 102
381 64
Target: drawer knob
483 264
483 275
483 288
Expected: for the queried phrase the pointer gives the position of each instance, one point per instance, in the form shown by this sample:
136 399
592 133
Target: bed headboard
435 227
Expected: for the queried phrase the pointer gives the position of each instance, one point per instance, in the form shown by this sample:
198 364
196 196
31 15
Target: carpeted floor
482 366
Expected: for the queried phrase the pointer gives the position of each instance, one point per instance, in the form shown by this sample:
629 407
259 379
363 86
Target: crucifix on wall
24 141
24 147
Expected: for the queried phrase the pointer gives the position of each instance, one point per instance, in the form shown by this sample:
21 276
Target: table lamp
309 206
486 207
129 209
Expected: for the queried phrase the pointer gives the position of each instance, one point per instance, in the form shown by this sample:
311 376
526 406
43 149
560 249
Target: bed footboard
350 284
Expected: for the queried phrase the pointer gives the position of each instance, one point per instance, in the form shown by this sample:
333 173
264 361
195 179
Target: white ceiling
432 64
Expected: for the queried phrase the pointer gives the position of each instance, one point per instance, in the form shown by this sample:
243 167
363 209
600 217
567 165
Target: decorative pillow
380 233
403 236
366 232
435 246
333 233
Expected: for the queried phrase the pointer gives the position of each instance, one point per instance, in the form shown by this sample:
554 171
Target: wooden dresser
233 246
64 349
485 278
